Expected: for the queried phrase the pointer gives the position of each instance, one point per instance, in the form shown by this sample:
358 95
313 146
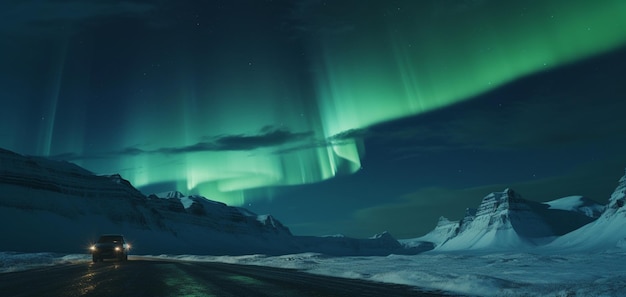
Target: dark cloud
337 139
531 113
526 125
198 147
131 151
268 137
351 134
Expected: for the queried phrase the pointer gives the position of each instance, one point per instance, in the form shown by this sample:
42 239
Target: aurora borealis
257 102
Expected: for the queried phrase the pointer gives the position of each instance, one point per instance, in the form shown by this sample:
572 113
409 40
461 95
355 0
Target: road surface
152 277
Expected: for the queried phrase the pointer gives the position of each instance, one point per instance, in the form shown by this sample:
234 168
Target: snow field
513 274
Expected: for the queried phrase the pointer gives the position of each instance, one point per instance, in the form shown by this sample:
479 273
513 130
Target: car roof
112 236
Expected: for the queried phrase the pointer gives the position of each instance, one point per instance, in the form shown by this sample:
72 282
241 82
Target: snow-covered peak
578 204
505 220
170 194
496 224
443 221
383 236
386 240
500 201
444 230
204 209
268 221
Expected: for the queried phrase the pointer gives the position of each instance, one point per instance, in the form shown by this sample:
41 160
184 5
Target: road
151 277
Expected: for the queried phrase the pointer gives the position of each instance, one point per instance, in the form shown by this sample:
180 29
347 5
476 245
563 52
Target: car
110 246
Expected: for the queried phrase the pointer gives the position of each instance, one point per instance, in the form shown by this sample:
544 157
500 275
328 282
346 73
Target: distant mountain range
57 206
505 221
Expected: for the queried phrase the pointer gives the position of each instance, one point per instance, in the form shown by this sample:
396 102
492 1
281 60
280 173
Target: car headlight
117 249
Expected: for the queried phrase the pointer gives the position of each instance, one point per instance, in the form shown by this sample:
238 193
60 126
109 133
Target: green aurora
365 65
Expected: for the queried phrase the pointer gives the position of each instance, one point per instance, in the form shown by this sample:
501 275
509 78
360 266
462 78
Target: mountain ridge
44 200
505 221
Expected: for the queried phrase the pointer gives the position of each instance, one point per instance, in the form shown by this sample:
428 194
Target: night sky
350 117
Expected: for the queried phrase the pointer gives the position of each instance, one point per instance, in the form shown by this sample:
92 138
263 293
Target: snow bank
11 261
518 274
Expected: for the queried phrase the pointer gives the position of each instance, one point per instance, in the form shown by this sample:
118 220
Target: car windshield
110 239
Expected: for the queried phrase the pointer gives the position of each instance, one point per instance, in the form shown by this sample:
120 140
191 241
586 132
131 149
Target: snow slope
607 232
444 230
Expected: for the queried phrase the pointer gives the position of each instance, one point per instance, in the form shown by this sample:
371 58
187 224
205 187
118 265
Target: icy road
153 277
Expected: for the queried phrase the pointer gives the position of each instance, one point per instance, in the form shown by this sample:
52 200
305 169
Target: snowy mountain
504 220
60 207
444 230
606 232
379 244
206 212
